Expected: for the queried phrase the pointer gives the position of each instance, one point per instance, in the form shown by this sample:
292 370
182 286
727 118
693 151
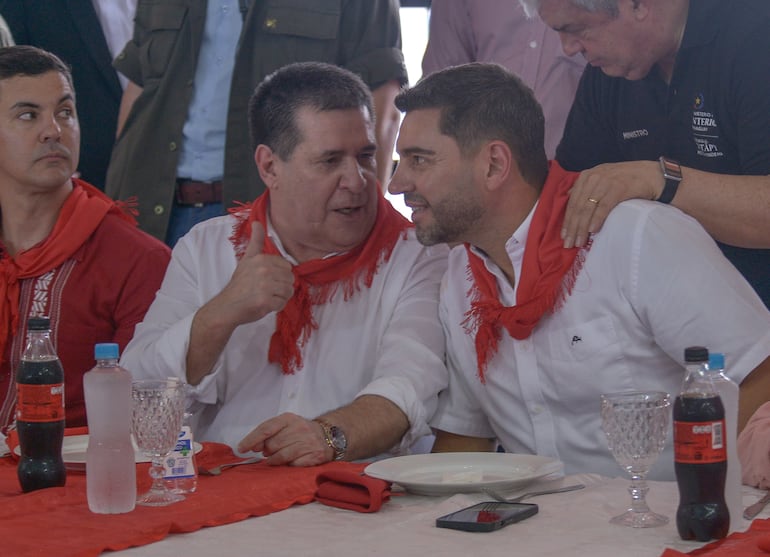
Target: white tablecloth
569 524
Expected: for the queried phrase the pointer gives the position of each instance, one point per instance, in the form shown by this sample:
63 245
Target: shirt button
292 395
533 44
158 209
536 409
172 146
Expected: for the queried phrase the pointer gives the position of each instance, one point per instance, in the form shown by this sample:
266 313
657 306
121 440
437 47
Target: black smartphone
485 517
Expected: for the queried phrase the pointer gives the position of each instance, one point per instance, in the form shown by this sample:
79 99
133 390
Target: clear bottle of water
179 470
110 460
728 391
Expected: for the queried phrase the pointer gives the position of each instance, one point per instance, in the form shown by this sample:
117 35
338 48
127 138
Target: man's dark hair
481 102
317 85
24 60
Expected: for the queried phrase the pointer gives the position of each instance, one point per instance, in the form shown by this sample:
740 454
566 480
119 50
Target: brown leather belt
191 192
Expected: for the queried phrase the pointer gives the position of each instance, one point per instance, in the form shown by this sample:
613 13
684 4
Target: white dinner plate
74 447
445 473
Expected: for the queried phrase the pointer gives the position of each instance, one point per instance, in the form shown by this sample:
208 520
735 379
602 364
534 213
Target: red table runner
753 542
57 522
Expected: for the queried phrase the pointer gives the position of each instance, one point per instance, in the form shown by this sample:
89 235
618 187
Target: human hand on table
599 189
288 439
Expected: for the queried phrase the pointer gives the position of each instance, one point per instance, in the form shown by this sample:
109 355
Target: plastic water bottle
110 460
728 391
700 455
179 471
40 410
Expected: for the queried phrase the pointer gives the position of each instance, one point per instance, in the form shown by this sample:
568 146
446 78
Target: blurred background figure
499 31
6 39
87 35
183 144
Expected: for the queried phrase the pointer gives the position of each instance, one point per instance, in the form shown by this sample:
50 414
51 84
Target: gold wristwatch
335 438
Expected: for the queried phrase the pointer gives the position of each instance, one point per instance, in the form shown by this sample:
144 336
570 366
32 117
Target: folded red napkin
351 490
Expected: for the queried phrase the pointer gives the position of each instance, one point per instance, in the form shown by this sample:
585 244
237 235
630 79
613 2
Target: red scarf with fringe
548 274
317 281
82 212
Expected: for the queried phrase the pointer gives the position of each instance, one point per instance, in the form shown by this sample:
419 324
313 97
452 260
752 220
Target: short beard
452 218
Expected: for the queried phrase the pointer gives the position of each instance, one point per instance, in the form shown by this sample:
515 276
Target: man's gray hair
531 7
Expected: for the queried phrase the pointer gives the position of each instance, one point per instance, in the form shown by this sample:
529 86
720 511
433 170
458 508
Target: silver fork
216 470
498 497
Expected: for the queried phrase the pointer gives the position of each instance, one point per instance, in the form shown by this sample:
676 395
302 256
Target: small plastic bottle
700 455
179 470
728 391
40 410
110 460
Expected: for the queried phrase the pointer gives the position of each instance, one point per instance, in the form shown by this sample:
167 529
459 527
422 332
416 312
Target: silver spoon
216 470
498 497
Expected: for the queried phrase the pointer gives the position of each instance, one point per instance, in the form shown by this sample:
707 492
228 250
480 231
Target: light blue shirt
202 155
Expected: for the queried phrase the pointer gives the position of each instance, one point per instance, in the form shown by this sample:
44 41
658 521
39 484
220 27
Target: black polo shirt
715 115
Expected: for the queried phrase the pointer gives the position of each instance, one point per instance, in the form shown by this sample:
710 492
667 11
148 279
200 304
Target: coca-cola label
699 442
40 403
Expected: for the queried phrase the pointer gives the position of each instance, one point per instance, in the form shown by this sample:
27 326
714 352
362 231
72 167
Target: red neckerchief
82 212
548 274
316 281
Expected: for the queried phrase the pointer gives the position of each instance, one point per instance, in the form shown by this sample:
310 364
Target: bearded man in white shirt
535 332
311 313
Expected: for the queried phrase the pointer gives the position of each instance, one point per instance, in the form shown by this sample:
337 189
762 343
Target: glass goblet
635 424
158 410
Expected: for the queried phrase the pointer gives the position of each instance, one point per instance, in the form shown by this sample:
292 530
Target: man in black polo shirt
674 106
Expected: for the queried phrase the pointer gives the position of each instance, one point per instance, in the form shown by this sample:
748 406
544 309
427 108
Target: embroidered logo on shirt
575 340
635 134
705 129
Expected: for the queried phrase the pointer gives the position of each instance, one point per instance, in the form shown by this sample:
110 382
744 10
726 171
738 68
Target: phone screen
485 517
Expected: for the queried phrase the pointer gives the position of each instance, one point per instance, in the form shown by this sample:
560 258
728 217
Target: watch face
339 440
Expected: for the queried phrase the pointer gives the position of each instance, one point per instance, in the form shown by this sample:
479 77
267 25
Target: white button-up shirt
385 340
652 284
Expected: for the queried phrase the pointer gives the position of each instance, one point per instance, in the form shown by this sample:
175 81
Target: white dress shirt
117 20
652 284
386 340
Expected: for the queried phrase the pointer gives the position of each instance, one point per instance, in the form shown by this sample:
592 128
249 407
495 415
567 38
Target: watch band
672 173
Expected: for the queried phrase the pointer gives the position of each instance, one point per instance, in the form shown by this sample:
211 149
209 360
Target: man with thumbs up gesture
305 322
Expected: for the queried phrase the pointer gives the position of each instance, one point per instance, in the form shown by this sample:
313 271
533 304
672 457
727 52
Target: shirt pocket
160 24
308 19
584 359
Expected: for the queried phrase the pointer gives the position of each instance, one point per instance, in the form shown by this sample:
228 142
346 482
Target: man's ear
266 160
499 162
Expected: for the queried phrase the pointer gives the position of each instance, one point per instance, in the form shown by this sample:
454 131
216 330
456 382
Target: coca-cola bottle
700 453
40 410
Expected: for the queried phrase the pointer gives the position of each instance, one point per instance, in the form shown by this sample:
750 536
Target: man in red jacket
66 249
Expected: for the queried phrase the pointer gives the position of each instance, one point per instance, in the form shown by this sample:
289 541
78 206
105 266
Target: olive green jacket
361 35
